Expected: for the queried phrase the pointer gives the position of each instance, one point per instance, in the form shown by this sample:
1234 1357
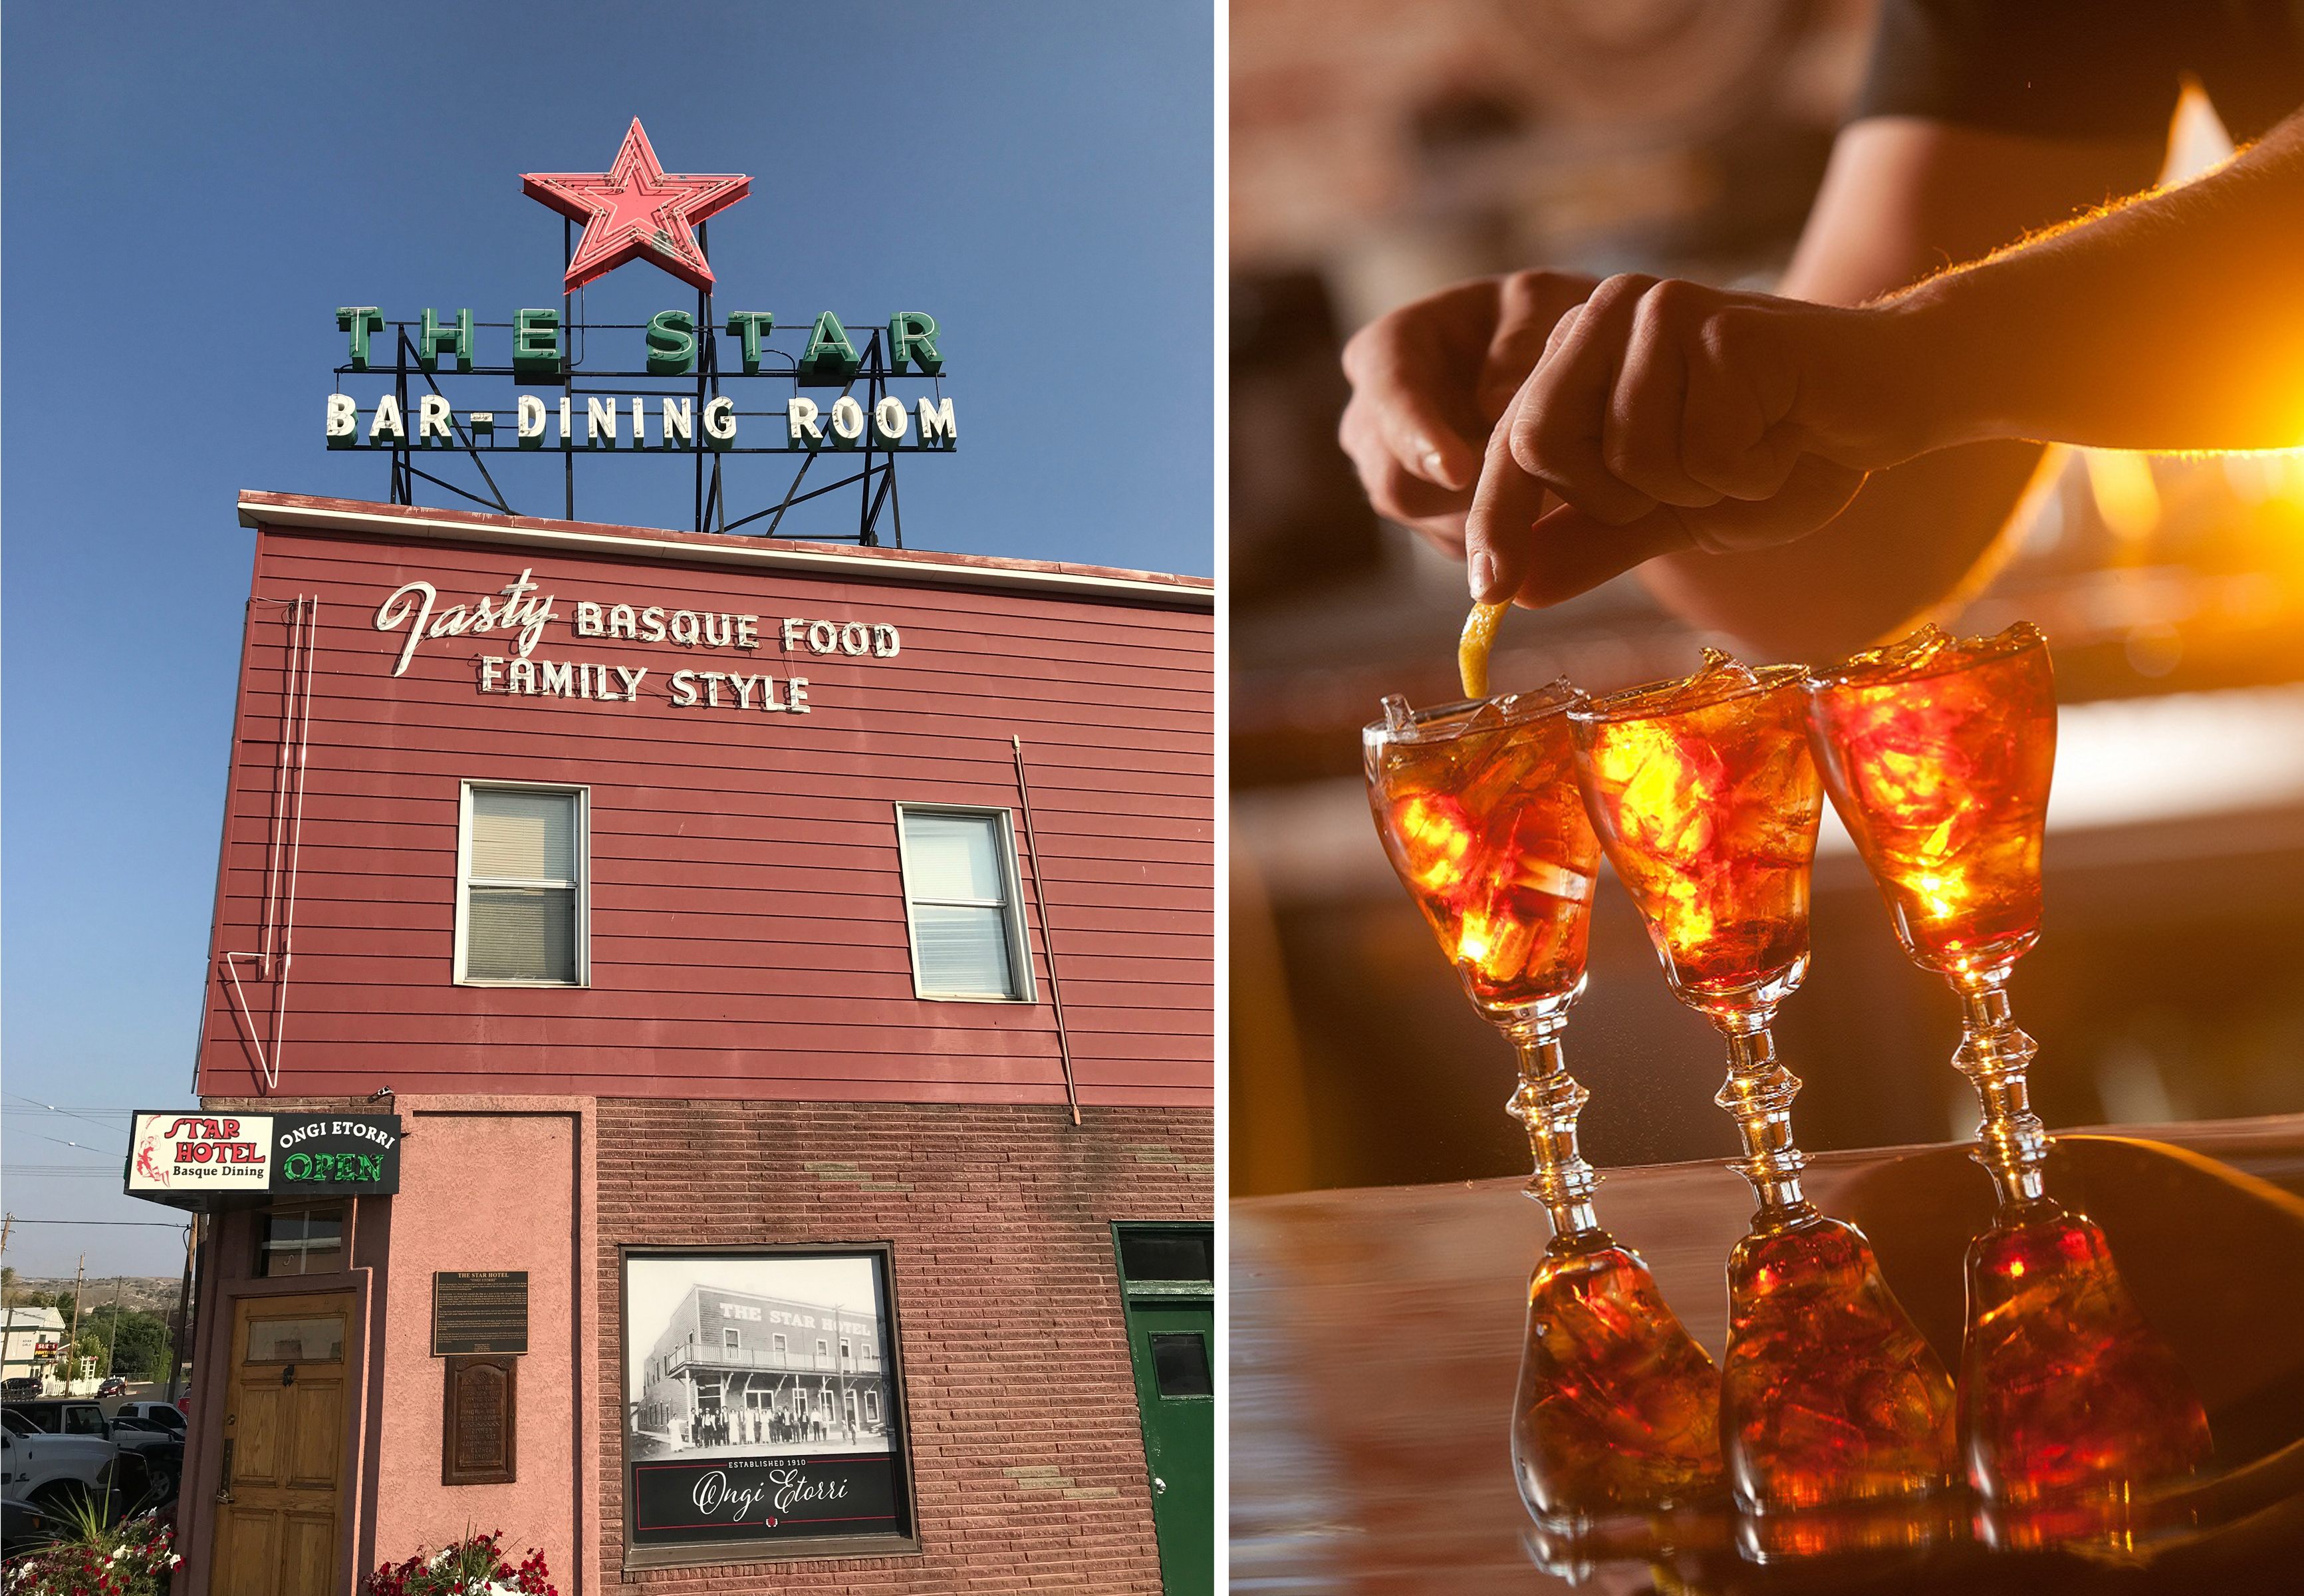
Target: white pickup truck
51 1472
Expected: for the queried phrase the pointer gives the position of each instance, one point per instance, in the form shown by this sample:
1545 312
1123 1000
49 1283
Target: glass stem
1759 1092
1547 1102
2011 1142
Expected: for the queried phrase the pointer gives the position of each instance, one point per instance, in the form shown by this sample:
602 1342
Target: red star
636 210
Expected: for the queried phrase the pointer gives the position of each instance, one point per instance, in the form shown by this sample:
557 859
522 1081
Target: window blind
522 904
959 885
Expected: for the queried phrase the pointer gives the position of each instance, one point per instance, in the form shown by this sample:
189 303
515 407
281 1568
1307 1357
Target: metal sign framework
873 477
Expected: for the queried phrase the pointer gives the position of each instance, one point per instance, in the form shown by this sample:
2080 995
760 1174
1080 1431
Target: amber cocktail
1706 801
1938 753
1477 806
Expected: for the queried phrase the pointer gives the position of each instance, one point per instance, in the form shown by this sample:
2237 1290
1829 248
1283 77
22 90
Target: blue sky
187 194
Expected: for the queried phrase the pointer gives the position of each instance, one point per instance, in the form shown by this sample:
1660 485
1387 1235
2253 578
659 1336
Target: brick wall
1028 1455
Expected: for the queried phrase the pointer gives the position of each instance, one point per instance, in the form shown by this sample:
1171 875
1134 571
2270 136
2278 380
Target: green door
1167 1287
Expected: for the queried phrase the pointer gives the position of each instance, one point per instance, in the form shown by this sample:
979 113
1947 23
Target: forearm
2171 322
1901 198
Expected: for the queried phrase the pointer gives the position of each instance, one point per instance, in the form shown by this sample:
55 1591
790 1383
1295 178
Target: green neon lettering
911 337
297 1165
535 344
671 344
360 321
751 326
831 359
430 336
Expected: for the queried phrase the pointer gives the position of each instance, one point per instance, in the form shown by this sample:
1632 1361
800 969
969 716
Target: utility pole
112 1342
178 1331
79 1277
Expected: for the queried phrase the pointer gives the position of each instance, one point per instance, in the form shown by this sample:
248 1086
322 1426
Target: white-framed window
731 1337
777 1342
820 1353
871 1407
522 889
963 903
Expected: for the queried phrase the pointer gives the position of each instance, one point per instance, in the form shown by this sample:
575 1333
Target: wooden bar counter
1376 1340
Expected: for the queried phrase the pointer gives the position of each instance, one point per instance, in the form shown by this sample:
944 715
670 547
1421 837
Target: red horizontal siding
748 927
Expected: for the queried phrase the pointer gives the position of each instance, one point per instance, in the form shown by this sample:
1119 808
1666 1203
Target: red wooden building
714 913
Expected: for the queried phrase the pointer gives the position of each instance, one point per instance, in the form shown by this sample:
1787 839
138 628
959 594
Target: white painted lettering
398 607
683 688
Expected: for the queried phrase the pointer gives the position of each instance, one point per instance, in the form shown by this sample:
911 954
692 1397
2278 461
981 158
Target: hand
1666 416
1429 382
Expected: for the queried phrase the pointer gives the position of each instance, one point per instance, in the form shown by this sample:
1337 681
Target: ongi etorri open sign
205 1160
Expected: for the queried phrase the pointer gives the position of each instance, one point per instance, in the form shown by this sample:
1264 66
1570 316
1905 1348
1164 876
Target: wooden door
280 1508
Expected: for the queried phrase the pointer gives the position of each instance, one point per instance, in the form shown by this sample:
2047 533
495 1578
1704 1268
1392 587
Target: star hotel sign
636 210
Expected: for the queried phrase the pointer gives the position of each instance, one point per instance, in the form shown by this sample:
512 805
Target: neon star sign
636 210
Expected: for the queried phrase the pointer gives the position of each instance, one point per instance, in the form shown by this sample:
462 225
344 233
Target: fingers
1498 528
1815 490
1398 492
1570 552
1644 434
1731 441
1556 431
1528 306
1412 372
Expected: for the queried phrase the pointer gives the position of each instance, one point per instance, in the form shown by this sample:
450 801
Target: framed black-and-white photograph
763 1404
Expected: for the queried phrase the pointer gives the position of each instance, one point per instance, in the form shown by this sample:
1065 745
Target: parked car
77 1415
165 1415
51 1472
24 1527
21 1388
114 1385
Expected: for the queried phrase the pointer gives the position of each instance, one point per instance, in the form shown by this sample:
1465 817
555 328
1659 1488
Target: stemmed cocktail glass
1705 797
1938 753
1478 809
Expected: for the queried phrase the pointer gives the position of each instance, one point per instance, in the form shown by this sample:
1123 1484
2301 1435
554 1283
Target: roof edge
292 510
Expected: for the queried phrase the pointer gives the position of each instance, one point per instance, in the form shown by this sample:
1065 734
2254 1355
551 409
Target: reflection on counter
2086 1445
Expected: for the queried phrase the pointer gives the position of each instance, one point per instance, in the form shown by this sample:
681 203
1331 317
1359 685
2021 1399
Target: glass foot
1618 1406
1829 1393
2064 1390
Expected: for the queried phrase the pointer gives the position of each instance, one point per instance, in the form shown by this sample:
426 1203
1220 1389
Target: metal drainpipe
1047 931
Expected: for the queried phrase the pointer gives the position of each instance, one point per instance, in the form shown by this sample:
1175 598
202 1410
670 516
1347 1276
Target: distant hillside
154 1294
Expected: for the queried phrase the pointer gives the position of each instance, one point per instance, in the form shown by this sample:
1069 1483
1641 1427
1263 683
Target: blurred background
1380 151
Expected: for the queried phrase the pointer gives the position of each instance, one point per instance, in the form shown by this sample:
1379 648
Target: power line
69 1114
139 1224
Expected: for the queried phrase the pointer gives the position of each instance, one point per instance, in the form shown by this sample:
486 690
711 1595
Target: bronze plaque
479 1421
478 1310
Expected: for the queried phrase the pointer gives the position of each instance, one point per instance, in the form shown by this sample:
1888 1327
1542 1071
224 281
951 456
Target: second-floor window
521 908
960 896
